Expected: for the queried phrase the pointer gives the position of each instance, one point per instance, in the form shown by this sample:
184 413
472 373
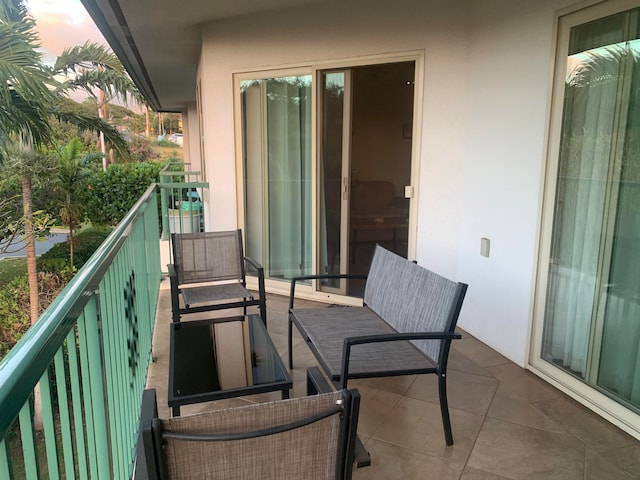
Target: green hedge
87 242
111 194
14 317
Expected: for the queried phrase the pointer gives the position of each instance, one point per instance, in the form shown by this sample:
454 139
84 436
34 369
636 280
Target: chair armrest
327 276
172 270
260 270
389 337
255 265
175 292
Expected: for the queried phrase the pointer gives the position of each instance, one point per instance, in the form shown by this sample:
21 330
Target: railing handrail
25 363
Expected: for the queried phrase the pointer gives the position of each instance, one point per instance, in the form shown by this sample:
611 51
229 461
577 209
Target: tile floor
507 423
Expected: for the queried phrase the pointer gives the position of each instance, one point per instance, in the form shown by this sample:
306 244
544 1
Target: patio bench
405 326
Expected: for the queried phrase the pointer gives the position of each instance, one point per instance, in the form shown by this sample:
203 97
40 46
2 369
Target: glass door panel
366 119
591 327
276 142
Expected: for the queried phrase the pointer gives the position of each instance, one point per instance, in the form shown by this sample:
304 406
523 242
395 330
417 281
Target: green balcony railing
71 388
181 200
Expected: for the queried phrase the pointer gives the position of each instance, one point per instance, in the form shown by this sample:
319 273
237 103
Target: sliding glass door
592 310
276 143
324 170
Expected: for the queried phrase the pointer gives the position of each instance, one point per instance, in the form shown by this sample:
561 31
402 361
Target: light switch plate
485 246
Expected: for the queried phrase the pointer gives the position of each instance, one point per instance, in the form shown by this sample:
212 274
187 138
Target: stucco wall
483 96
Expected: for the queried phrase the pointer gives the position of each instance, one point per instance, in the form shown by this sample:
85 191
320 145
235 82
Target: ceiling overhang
159 41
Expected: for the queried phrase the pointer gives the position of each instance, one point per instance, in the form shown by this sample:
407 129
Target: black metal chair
307 438
208 271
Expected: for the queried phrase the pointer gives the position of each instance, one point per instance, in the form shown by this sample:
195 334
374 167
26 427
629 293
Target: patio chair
208 271
304 438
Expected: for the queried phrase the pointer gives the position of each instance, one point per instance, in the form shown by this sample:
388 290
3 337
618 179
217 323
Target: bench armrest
327 276
389 337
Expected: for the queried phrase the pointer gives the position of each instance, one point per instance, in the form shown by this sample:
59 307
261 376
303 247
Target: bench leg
444 408
362 457
290 344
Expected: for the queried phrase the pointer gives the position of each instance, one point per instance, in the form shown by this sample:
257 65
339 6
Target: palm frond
109 81
88 56
24 82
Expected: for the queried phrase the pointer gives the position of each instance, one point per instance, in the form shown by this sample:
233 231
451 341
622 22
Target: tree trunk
32 270
72 229
147 126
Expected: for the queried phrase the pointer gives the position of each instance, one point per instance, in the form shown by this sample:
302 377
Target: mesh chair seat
214 293
326 328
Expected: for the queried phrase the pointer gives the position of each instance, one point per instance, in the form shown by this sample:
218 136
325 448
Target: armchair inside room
376 201
378 215
209 273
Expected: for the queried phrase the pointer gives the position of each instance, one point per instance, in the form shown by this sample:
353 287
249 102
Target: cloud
62 24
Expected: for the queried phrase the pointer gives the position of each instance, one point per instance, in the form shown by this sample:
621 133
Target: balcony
507 423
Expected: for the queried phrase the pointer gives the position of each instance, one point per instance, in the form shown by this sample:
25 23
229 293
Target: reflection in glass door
591 324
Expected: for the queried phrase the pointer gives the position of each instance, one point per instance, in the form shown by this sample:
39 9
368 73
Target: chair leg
263 311
290 344
444 407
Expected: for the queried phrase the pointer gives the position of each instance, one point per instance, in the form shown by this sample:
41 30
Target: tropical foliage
30 94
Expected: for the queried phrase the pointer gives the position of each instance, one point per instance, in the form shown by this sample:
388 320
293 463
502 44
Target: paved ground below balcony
507 423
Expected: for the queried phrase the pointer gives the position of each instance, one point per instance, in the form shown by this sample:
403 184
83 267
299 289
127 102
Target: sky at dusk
62 24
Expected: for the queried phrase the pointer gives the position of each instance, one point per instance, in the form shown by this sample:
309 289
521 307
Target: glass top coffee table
223 358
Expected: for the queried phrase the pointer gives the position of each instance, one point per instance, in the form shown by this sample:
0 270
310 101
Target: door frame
587 395
312 291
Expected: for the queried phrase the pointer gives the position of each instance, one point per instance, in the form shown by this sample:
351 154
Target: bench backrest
411 298
208 256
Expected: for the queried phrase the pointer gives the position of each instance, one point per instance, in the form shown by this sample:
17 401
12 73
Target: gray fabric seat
405 326
325 329
307 438
209 273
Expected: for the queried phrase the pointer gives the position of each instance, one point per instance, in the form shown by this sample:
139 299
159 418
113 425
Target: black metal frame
340 381
151 465
260 302
175 402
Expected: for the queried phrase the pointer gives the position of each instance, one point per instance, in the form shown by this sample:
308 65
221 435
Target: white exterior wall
483 108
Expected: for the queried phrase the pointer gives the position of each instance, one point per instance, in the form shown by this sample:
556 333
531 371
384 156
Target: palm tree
92 68
29 95
72 167
24 96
